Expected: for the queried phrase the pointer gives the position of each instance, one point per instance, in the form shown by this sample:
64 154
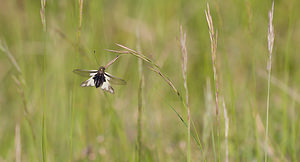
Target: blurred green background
44 111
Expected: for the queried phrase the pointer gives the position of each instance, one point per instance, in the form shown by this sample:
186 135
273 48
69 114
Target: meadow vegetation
206 80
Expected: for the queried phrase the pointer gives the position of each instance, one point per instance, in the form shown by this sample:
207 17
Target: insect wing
88 83
107 87
114 80
83 72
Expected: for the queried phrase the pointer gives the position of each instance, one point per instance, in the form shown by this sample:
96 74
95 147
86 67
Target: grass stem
140 103
44 104
269 68
184 74
73 91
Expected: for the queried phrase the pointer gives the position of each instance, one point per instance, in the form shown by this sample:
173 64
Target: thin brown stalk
116 51
269 68
111 62
4 49
184 74
166 79
43 14
18 142
80 14
80 23
213 45
154 67
139 55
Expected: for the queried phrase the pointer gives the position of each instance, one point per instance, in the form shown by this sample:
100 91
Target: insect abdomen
99 79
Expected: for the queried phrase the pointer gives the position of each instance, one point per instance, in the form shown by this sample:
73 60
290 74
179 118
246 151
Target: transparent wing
88 83
83 72
115 80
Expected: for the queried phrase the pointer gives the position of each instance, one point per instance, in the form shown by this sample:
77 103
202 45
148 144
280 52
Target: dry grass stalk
119 52
271 34
269 68
18 142
137 54
80 13
79 25
154 67
44 139
4 49
226 131
184 74
184 63
213 45
166 79
43 15
22 94
111 62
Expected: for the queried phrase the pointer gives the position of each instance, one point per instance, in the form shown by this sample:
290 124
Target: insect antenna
96 58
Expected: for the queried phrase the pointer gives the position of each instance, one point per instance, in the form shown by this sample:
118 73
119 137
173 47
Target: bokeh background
45 113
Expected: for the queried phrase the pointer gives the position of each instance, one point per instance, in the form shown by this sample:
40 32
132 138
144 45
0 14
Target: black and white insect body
99 78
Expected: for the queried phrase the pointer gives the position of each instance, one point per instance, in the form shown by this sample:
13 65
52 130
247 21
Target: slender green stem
140 103
72 123
73 92
44 104
44 139
213 143
267 120
192 134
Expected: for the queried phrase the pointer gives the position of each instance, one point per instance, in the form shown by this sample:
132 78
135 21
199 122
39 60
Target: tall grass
154 67
73 90
21 85
18 143
269 68
213 46
44 101
141 88
184 58
46 116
